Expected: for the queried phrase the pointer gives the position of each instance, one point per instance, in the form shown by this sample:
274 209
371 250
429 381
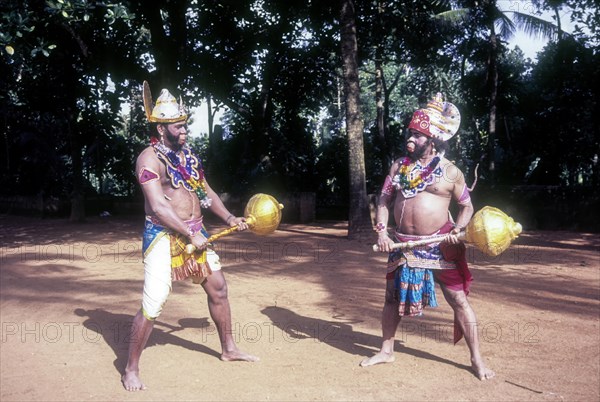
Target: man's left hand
240 222
452 237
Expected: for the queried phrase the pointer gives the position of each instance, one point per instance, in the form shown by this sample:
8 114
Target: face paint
417 144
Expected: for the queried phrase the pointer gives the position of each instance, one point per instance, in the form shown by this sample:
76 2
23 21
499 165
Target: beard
416 151
175 142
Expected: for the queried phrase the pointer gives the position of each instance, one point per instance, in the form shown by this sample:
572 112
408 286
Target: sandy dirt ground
304 299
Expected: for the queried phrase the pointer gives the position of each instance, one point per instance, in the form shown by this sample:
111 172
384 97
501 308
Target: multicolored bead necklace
191 176
413 178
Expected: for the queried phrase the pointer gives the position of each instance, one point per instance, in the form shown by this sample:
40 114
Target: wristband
380 227
228 218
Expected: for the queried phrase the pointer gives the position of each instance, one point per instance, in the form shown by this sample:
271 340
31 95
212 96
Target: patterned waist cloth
411 271
183 264
428 256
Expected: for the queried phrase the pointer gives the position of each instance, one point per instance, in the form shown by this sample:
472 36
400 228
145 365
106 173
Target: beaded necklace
413 177
191 176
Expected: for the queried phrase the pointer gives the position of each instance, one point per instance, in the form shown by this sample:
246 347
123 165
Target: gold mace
263 214
490 230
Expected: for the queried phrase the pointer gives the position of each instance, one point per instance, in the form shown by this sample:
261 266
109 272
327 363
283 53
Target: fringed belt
183 264
428 256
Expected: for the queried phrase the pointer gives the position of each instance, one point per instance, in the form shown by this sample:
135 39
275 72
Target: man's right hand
199 241
384 242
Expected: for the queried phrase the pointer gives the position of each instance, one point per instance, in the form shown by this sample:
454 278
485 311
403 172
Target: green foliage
68 66
332 171
563 131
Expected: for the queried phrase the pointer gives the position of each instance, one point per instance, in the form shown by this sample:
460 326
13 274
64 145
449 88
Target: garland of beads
401 179
183 173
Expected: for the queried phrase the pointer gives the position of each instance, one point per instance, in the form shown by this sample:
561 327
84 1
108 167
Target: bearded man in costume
420 187
175 191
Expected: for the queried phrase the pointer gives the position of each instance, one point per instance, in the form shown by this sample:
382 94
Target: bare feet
238 355
131 381
482 372
381 357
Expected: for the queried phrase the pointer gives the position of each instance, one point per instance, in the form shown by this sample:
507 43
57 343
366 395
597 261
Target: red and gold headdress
438 120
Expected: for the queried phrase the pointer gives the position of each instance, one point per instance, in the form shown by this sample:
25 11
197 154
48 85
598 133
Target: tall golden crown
166 110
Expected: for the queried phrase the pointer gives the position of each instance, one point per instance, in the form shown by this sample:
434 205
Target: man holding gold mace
175 190
421 186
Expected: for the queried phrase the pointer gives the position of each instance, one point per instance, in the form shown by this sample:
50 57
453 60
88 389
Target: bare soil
307 301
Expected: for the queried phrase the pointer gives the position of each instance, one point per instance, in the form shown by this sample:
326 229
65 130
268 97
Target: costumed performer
175 191
421 187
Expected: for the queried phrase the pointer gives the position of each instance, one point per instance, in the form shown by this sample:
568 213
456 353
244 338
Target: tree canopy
70 97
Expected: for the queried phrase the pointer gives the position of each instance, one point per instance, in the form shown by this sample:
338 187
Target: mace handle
222 233
407 245
250 220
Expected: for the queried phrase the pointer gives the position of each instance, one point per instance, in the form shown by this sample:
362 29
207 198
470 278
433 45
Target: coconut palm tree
500 25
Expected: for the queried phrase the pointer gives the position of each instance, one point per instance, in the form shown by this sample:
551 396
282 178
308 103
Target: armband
465 197
147 176
388 187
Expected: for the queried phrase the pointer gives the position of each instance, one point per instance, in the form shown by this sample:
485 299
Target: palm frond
507 27
453 16
534 27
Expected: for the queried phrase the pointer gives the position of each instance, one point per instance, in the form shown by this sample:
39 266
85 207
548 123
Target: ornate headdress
166 110
438 120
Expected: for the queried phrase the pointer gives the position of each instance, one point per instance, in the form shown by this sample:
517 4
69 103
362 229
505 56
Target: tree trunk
77 193
493 82
381 106
211 116
380 95
359 222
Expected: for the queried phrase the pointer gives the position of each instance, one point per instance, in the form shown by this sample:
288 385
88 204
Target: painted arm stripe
147 175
